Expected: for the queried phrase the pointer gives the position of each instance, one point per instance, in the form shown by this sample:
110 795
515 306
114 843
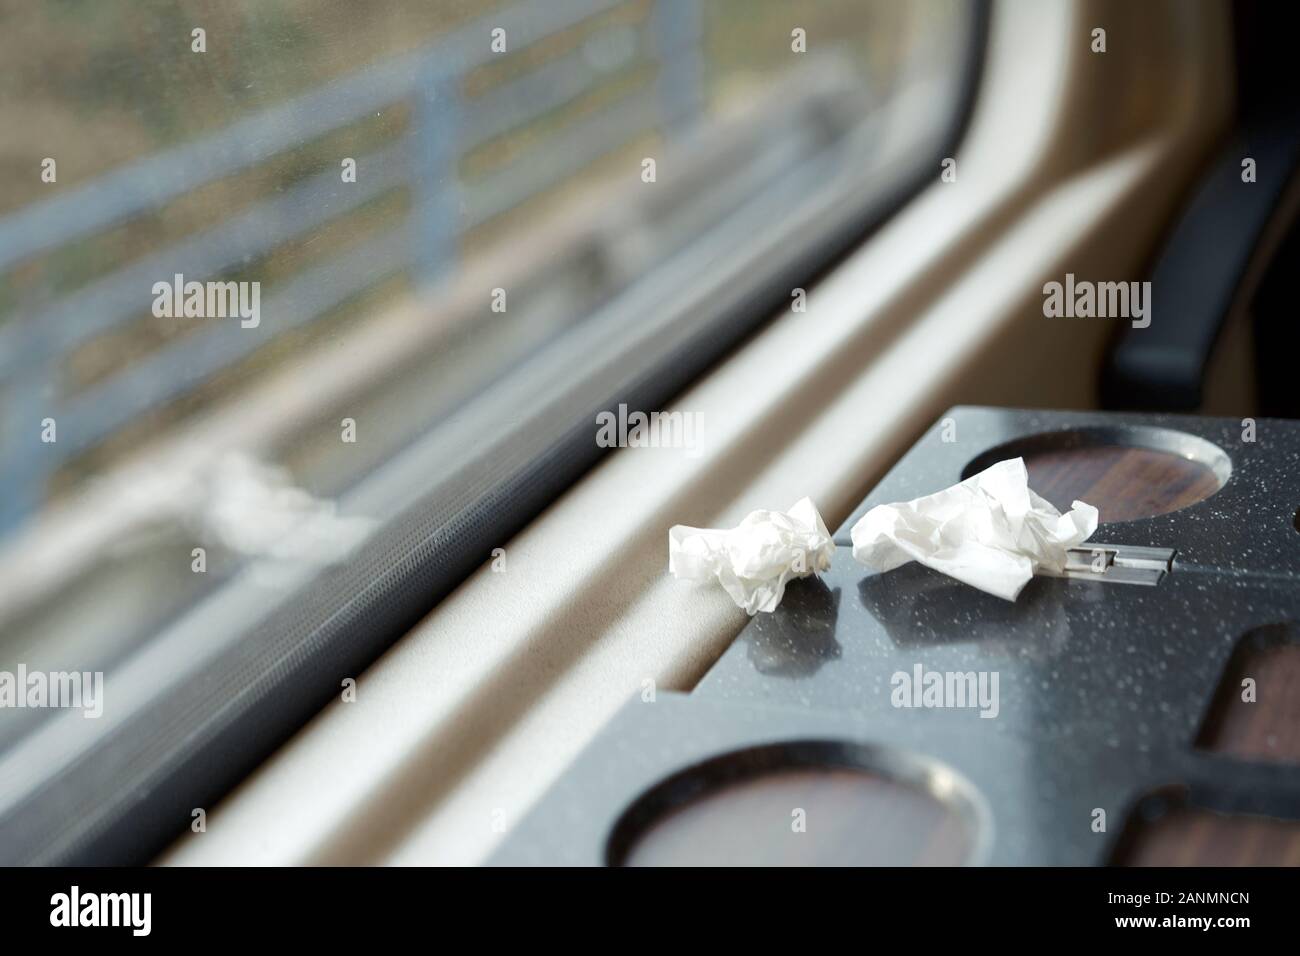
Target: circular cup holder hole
1126 472
812 803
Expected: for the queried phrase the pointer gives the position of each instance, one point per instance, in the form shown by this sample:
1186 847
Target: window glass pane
250 251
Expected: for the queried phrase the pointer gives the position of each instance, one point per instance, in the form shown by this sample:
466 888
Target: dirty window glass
250 250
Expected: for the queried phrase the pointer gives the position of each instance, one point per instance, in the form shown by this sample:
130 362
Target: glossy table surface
1116 732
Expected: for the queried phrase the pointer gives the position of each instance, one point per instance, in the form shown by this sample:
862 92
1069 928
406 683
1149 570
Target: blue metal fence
444 126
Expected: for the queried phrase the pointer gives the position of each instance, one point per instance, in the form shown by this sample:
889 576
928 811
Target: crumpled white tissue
756 559
991 531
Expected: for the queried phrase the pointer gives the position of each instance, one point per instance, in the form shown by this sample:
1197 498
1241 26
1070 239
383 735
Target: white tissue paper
991 531
756 559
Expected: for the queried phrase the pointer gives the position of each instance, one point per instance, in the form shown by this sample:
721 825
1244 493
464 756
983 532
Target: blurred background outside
477 169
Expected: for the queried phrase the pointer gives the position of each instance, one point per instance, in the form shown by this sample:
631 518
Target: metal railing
445 124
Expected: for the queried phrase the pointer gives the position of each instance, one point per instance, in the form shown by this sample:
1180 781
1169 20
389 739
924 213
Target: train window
254 254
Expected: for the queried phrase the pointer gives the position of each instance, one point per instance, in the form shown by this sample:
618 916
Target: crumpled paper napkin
756 559
990 531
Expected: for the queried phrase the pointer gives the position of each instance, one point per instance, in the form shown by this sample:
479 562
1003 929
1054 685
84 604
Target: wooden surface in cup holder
1122 483
1190 836
1256 722
851 818
1259 721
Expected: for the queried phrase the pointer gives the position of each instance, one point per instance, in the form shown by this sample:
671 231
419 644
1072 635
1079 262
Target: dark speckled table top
1100 688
